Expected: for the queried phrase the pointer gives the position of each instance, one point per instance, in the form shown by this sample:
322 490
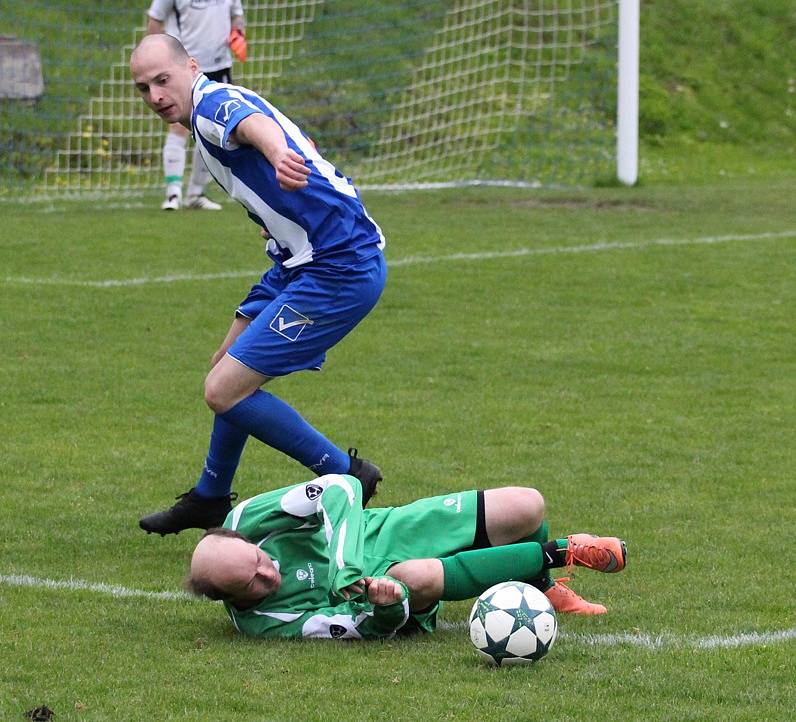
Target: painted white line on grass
645 641
665 641
114 590
416 260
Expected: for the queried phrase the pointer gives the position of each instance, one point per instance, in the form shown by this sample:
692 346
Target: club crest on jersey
337 630
226 109
304 574
313 491
289 323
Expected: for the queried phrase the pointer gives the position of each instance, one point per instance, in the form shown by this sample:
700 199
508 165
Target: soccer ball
512 623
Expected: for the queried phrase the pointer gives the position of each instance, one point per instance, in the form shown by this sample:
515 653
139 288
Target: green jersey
314 532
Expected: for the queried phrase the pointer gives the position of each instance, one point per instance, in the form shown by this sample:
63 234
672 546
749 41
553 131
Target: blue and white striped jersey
324 220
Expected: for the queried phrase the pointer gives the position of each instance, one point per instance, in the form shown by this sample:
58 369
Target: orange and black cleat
568 601
601 553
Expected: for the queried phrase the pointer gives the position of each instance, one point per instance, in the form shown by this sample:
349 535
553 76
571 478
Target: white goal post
627 92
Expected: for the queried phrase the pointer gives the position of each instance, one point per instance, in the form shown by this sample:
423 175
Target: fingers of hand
384 591
291 171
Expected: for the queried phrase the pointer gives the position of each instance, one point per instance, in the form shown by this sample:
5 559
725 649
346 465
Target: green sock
544 581
469 573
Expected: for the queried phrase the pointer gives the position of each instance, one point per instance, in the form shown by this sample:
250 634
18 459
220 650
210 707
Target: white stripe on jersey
339 558
281 616
238 511
344 484
287 233
325 168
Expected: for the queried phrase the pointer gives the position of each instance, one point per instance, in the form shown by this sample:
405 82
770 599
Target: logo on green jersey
304 574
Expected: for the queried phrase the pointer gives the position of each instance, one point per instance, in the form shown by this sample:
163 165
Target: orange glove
237 43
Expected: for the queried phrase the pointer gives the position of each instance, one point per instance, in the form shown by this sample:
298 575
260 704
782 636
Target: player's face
164 84
255 576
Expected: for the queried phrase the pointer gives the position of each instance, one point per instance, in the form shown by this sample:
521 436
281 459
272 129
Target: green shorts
438 526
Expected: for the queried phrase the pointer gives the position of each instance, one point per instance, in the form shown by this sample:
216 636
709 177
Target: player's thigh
314 311
437 526
229 382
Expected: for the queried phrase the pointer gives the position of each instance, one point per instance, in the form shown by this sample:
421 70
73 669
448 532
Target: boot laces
588 555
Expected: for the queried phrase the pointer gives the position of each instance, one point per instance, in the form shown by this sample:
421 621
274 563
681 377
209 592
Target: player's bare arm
265 135
154 26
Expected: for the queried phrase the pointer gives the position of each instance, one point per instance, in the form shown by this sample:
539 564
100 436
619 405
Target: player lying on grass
308 561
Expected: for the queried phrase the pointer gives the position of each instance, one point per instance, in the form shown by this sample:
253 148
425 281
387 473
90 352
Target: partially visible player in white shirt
204 28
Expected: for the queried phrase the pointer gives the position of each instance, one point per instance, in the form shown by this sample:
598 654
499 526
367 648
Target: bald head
225 565
161 42
164 73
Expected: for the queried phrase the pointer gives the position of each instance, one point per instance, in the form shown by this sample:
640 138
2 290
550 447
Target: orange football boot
568 601
601 553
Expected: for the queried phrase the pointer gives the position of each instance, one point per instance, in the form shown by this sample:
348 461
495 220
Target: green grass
717 84
646 391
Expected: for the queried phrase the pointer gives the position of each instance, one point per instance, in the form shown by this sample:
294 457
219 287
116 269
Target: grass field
629 352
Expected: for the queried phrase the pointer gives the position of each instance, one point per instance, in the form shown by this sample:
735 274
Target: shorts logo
313 491
289 323
302 574
226 109
457 500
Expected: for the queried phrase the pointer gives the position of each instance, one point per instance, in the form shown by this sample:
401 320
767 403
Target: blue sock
273 422
226 446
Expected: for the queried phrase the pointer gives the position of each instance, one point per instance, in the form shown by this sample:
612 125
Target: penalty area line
417 260
650 642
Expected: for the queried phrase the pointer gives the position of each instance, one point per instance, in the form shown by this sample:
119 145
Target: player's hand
266 234
353 588
384 591
291 172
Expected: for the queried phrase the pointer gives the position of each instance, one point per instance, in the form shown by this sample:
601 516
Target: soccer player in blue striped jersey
328 273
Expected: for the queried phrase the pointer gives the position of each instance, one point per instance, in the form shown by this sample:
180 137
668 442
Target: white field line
665 640
645 641
416 260
74 585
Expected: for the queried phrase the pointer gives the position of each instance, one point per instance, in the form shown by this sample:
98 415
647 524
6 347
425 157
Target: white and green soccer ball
512 623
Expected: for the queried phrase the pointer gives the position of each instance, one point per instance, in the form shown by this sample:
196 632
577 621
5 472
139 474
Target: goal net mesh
397 95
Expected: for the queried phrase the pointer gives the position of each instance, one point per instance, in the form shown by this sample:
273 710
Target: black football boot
368 474
191 511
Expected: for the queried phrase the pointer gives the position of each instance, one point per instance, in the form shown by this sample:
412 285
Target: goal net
397 95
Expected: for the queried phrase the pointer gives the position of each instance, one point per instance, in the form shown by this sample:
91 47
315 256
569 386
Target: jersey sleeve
333 501
160 9
219 113
348 620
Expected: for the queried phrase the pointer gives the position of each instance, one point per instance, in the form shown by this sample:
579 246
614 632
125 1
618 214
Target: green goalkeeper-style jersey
314 533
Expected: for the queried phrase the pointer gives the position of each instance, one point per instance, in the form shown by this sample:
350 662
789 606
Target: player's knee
216 396
536 508
531 502
423 578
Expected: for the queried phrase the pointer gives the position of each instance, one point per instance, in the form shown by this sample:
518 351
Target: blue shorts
298 314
